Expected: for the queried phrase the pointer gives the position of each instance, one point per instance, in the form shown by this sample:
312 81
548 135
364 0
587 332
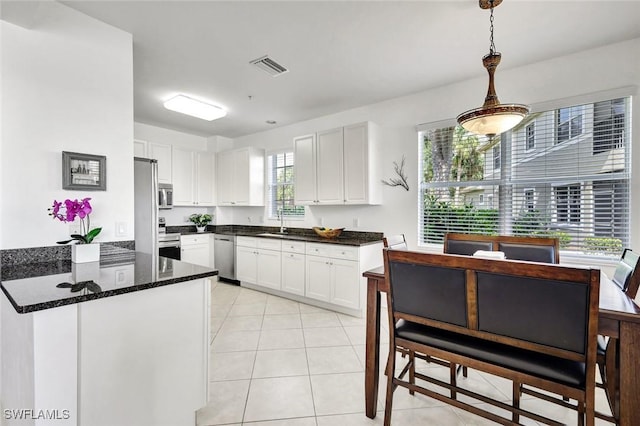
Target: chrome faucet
281 217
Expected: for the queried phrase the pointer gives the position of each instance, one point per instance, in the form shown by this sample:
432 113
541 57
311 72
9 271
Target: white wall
558 78
182 140
67 85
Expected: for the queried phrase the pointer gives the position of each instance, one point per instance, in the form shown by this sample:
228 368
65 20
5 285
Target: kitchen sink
284 236
273 235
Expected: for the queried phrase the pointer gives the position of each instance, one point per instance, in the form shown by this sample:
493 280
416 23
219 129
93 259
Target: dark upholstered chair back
429 291
395 242
532 249
625 271
528 252
543 311
466 248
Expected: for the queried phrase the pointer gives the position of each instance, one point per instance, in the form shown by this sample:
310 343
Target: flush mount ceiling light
492 118
194 108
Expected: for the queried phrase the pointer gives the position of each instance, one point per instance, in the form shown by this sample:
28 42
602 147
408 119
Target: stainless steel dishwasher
224 247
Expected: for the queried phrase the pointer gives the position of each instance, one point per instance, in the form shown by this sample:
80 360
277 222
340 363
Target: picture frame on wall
84 171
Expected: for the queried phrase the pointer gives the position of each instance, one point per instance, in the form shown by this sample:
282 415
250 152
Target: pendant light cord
492 46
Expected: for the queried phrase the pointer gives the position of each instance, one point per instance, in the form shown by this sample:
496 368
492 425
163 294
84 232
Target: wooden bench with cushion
533 249
531 323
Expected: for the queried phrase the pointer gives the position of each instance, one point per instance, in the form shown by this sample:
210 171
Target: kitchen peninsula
120 341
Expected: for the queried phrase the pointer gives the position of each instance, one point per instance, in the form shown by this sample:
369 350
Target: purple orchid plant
67 211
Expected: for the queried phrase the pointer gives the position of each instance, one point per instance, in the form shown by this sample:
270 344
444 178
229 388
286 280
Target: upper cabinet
240 177
193 178
162 153
140 148
338 166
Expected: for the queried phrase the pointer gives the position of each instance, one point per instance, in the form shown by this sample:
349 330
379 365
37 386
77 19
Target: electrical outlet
121 229
320 222
356 222
248 219
74 228
186 219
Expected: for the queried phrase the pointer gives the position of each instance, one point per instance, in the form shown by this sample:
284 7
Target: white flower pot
82 253
201 228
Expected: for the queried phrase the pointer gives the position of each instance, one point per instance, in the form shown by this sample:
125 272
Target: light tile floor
275 362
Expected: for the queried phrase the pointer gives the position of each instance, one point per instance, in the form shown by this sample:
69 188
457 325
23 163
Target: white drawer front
246 241
332 250
293 246
268 243
187 240
344 252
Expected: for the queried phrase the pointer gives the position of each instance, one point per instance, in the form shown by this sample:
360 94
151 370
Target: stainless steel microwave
165 195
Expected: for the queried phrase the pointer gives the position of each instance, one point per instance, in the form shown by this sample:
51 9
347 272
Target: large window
577 191
281 188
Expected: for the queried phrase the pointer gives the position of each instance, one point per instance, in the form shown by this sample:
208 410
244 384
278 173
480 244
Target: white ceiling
341 54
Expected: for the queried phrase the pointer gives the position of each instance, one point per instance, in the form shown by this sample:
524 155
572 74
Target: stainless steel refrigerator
145 181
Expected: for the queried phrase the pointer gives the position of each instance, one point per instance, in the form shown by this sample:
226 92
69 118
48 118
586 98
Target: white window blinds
562 173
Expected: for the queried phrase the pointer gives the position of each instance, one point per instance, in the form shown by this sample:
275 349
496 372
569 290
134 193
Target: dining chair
395 242
626 277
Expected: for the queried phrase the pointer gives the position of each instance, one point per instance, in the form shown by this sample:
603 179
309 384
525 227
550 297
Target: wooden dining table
618 317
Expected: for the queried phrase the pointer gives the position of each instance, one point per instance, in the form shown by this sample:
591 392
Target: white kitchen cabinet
333 274
318 283
329 169
338 166
269 268
196 249
240 177
247 264
162 153
322 274
304 154
362 164
183 177
293 267
140 148
193 174
258 261
205 163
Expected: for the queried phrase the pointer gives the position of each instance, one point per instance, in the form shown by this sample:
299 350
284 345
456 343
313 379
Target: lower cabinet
196 249
258 261
293 267
333 275
329 274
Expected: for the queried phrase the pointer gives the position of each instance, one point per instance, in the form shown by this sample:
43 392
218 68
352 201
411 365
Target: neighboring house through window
569 123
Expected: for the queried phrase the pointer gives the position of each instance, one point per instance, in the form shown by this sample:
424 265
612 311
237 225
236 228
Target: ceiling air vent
269 66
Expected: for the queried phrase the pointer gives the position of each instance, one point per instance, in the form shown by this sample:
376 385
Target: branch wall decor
401 180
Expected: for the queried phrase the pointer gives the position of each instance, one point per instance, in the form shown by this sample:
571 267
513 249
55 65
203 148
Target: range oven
169 245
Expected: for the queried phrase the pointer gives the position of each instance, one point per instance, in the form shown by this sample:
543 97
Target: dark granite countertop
35 286
349 238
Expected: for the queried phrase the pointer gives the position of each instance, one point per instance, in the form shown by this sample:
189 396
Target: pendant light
492 118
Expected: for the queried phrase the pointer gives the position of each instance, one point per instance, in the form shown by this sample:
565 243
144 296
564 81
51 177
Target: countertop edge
25 309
